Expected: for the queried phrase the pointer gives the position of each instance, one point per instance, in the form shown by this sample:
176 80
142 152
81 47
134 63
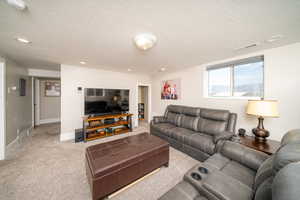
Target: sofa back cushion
293 136
189 122
286 183
213 121
264 172
174 109
243 155
287 154
232 122
173 118
191 111
264 191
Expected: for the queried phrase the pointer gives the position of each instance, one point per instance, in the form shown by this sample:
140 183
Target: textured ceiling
189 32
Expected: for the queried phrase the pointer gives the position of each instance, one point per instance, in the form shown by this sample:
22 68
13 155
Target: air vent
248 46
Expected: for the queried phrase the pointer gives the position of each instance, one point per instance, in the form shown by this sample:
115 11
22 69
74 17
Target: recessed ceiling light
162 69
23 40
129 69
18 4
82 62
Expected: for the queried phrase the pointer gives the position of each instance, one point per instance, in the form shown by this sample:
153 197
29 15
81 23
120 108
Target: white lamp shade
264 108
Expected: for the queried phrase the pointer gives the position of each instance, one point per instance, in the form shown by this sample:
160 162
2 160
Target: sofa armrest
225 135
243 154
159 119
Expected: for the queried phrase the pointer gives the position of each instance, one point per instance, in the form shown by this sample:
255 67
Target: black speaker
78 135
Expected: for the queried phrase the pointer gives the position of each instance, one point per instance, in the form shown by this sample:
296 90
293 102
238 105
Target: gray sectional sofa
194 131
237 172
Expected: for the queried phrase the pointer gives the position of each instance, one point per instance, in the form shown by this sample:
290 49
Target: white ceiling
100 32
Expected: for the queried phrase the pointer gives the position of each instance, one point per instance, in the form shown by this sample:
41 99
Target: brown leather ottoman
113 165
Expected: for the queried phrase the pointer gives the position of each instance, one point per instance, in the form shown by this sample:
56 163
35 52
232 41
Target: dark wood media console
97 127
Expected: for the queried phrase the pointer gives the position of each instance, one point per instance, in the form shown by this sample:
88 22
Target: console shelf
96 127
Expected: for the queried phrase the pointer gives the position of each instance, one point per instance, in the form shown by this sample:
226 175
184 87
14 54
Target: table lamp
262 108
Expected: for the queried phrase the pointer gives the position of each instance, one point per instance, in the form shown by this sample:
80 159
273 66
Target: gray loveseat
237 172
194 131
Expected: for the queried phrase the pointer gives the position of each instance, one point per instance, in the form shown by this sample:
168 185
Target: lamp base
260 132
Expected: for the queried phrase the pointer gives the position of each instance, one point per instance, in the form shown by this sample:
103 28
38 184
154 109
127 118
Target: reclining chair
237 172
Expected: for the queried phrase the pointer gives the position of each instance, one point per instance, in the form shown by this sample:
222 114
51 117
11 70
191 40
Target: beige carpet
41 167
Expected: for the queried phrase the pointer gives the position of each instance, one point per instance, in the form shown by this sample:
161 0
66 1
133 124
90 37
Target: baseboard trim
67 136
12 143
48 121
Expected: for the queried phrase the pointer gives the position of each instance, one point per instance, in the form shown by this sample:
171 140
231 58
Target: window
242 78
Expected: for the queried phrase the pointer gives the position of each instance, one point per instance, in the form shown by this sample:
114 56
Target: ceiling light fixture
129 69
23 40
18 4
82 62
162 69
145 41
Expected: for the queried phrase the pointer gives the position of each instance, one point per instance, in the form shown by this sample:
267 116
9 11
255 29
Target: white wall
18 108
2 108
72 101
282 70
49 106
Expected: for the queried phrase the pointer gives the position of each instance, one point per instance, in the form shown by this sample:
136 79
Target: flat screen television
99 101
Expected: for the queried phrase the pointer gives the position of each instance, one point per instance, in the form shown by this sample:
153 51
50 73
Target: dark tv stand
95 127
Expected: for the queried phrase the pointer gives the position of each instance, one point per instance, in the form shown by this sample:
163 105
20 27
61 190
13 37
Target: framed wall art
52 89
171 89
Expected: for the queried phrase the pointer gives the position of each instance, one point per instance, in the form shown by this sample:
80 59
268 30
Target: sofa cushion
202 142
293 136
239 172
286 183
285 155
264 191
191 111
189 122
263 172
216 115
213 121
175 108
164 128
182 191
244 155
218 161
232 122
181 133
232 168
225 187
173 118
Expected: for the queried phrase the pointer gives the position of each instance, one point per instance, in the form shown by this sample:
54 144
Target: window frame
231 67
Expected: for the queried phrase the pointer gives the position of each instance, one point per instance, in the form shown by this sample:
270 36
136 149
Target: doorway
46 101
143 105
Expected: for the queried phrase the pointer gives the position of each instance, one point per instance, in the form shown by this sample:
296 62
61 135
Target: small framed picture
52 89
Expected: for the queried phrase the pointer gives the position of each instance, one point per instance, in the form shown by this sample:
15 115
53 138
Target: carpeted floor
41 167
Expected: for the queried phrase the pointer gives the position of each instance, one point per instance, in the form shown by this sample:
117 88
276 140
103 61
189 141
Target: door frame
36 102
2 109
149 101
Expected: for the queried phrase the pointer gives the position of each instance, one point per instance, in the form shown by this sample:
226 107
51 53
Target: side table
269 146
